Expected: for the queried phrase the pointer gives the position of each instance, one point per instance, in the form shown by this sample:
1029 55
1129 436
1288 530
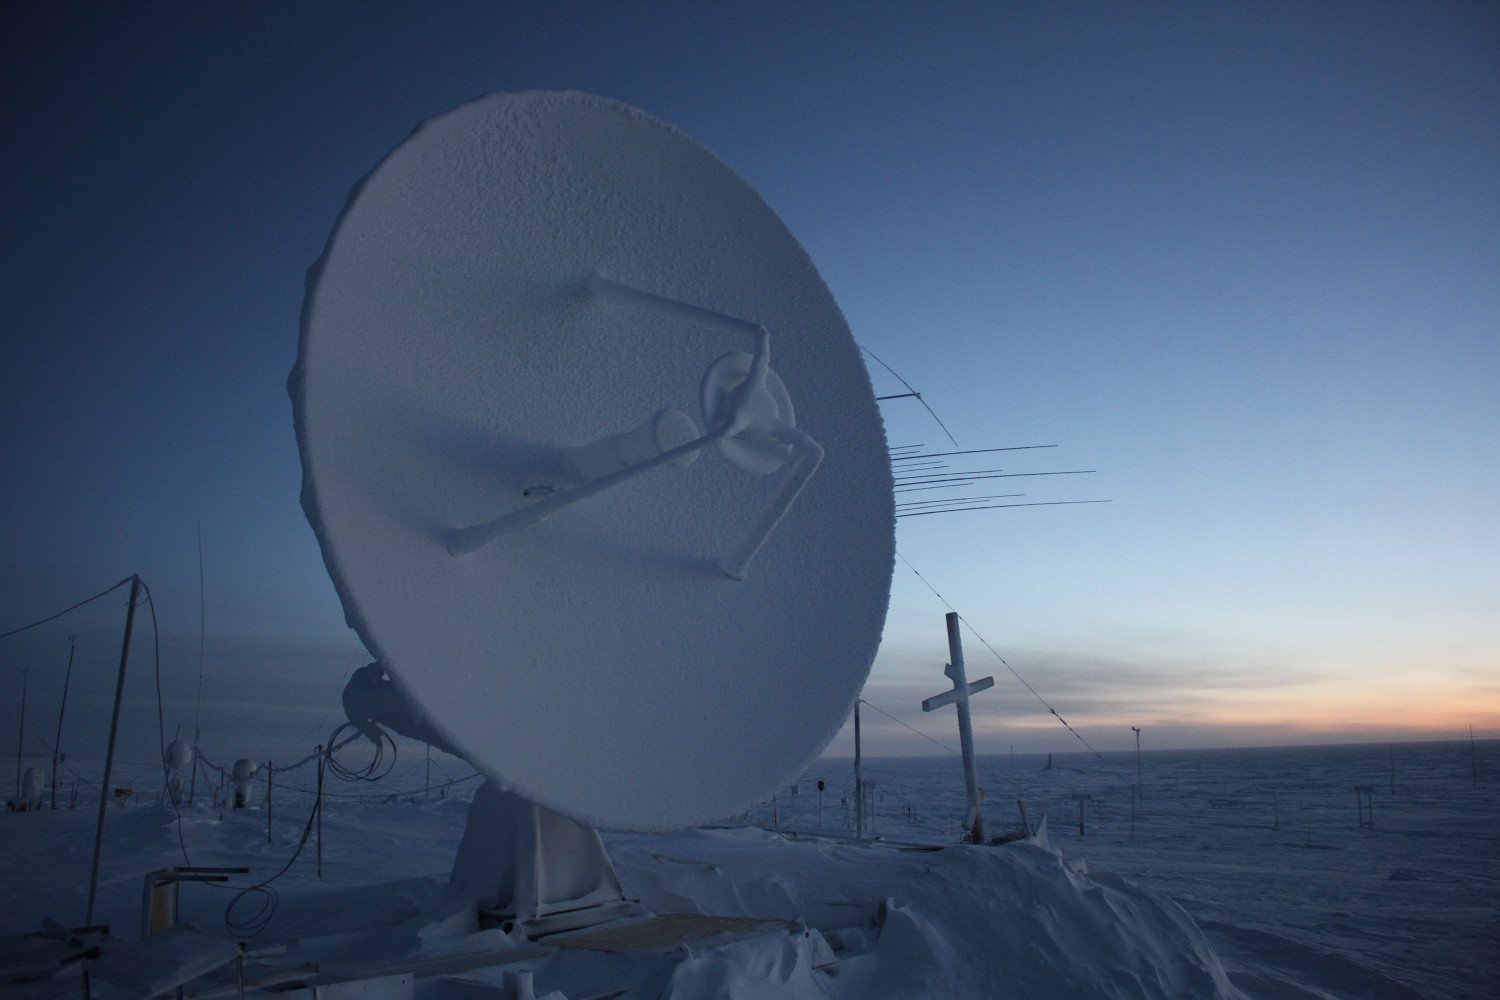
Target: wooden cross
959 695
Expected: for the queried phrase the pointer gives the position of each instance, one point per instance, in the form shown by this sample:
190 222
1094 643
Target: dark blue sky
1243 258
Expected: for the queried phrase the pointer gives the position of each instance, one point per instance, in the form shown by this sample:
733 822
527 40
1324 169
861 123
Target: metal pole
320 810
21 735
859 783
202 642
57 740
1137 758
975 819
109 757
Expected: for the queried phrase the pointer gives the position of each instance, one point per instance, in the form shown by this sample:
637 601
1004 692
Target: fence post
319 809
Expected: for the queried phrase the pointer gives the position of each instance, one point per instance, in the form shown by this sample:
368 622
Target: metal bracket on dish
746 407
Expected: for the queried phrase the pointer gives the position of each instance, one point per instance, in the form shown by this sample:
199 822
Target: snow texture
849 921
597 663
1261 848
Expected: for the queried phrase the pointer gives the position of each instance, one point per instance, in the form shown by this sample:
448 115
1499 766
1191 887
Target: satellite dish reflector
545 400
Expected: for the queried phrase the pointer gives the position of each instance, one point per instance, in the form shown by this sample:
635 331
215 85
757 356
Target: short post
1081 798
1364 800
859 784
1473 758
820 804
1137 758
319 809
21 734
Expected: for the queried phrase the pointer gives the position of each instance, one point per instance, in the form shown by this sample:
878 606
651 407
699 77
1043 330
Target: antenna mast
202 632
57 740
109 756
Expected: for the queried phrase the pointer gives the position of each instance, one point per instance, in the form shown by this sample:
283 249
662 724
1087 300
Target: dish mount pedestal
517 861
523 862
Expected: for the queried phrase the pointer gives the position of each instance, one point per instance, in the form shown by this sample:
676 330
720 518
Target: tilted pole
57 740
958 696
965 730
109 757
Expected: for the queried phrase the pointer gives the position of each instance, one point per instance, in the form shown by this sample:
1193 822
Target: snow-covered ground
1263 848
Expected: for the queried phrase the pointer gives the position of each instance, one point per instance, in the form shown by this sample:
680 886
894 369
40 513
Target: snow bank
957 922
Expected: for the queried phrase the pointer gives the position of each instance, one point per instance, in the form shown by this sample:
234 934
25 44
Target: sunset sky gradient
1243 259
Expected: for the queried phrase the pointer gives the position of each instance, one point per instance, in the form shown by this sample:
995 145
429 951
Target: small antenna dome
243 775
179 755
33 784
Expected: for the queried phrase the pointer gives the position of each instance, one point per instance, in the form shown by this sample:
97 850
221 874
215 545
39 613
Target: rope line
985 642
917 395
23 628
919 732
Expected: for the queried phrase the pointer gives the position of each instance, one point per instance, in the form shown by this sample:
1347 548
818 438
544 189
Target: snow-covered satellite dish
593 460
